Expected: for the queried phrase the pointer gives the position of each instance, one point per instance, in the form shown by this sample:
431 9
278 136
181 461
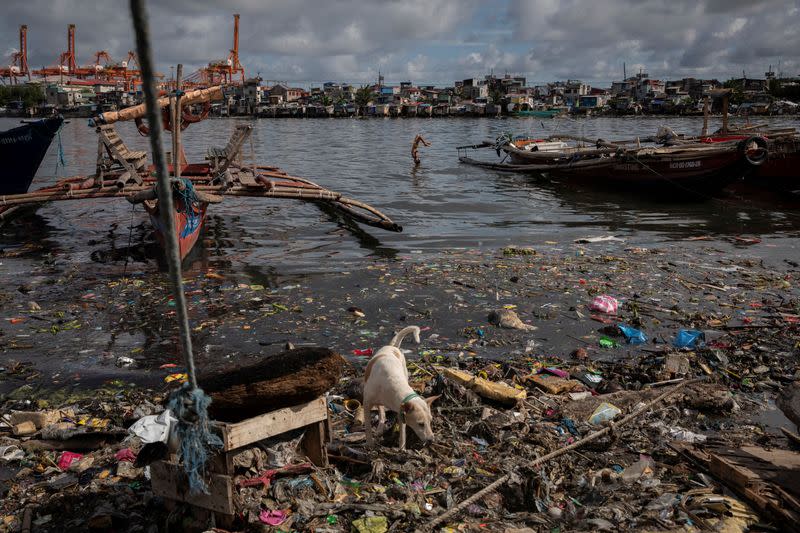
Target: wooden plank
268 425
247 179
169 481
779 458
314 444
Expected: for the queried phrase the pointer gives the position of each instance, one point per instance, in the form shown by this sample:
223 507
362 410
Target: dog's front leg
402 434
368 423
381 420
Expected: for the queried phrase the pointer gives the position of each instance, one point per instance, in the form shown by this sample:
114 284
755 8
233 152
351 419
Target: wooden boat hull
686 174
782 169
188 222
22 150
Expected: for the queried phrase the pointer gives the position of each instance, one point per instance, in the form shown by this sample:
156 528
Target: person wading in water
415 148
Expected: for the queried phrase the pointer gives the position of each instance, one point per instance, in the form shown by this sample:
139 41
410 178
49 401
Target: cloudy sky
431 41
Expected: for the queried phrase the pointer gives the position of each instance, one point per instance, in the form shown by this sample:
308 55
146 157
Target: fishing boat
189 216
781 170
125 173
22 150
683 171
686 169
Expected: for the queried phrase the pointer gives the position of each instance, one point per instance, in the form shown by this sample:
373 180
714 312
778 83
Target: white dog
386 387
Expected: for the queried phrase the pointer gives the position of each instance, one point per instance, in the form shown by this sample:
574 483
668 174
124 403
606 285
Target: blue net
188 197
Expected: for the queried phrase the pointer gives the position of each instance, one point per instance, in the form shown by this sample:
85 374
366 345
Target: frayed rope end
195 441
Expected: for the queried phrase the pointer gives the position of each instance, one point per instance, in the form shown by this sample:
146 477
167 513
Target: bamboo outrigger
123 173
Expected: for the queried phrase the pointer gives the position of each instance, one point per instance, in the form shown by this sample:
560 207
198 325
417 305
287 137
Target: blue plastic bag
633 335
689 338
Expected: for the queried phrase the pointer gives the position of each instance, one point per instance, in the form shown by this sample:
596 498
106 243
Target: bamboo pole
198 96
177 156
725 99
282 192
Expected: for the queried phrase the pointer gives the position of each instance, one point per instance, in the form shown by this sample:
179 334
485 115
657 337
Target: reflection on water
441 204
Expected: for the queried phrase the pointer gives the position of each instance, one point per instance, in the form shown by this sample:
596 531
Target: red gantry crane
223 71
66 60
19 59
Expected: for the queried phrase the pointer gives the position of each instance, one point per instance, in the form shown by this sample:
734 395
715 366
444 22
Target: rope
552 455
188 197
130 240
190 404
61 159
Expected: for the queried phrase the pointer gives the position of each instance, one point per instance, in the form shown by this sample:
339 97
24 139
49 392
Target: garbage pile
528 352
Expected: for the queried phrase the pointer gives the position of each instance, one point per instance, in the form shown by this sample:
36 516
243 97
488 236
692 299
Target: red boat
781 169
189 215
682 170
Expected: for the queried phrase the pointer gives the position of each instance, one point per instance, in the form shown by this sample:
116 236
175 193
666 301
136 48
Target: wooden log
281 380
123 180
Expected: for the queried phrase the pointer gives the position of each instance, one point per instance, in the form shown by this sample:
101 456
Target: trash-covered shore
529 351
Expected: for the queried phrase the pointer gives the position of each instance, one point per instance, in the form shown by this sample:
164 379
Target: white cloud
733 28
430 40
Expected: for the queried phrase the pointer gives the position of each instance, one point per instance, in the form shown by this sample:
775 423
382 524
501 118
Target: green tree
362 98
496 95
30 95
737 90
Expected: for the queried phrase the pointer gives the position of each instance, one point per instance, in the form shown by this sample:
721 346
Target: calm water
442 204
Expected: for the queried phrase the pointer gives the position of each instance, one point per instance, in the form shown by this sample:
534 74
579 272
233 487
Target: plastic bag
689 338
153 428
605 411
605 304
632 335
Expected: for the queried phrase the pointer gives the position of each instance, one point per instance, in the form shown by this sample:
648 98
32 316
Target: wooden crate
169 480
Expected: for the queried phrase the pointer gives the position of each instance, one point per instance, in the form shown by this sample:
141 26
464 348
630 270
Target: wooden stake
177 156
725 114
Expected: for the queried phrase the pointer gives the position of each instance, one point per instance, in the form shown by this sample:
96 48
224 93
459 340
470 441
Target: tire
758 156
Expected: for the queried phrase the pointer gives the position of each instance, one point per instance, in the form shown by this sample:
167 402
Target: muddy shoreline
77 331
111 354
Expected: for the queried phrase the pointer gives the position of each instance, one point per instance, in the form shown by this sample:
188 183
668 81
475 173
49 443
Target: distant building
592 101
573 90
252 92
474 92
67 96
282 93
750 85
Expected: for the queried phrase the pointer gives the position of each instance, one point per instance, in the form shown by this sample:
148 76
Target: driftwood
766 478
281 380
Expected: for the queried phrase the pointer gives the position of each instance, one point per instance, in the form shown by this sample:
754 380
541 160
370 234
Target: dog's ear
407 407
430 399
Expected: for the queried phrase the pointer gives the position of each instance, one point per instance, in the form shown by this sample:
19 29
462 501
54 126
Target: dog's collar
409 398
405 401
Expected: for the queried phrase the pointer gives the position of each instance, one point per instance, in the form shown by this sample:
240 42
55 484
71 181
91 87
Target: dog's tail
397 339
